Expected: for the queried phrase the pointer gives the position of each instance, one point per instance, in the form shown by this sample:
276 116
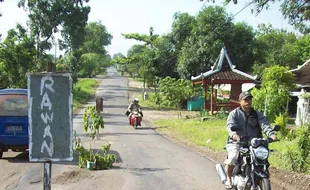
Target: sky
137 16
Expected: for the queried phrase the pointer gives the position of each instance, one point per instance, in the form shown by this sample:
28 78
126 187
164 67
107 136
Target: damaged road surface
146 160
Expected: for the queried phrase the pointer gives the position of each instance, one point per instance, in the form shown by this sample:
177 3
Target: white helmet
136 100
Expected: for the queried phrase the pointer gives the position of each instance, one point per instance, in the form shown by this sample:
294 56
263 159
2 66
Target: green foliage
174 91
106 160
222 114
291 154
94 57
92 120
275 47
46 17
148 39
302 47
306 95
297 12
282 120
88 65
83 90
212 30
103 159
297 155
182 26
97 37
17 58
277 83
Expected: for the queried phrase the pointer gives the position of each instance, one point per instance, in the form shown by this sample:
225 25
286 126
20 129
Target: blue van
13 120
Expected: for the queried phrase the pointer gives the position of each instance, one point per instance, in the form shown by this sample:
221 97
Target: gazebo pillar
205 94
235 91
211 99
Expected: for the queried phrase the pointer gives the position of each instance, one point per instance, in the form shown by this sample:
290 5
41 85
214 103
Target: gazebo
303 85
302 75
222 72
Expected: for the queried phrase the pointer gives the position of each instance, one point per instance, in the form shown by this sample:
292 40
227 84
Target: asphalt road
146 160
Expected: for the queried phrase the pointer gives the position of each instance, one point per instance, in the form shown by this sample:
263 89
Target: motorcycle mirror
276 128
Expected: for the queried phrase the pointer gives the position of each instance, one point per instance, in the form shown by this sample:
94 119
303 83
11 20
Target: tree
297 12
174 91
147 57
165 57
302 47
182 26
213 30
17 56
89 62
118 55
275 89
47 16
97 37
274 47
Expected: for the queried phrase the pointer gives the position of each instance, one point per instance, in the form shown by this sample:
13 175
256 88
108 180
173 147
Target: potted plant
94 161
93 121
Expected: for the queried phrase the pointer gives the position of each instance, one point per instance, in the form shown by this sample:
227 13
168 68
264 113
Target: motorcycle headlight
261 153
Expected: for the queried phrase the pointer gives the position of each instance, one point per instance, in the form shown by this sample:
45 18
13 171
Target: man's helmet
136 100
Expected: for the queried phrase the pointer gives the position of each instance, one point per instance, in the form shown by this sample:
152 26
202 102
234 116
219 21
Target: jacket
250 126
134 107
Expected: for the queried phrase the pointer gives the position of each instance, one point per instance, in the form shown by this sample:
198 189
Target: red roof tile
228 75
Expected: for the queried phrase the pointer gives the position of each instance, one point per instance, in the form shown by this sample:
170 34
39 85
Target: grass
211 133
276 158
83 90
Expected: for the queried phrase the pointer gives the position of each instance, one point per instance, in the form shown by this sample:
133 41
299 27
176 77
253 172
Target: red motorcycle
135 119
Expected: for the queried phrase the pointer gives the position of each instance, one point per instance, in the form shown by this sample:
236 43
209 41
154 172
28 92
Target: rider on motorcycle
250 124
135 107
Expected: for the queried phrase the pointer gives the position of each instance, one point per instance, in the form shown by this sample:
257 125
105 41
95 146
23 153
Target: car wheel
1 152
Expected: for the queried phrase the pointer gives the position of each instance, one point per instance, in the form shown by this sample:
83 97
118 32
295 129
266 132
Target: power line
243 8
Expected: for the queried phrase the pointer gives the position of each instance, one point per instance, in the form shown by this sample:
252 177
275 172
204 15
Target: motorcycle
251 171
135 119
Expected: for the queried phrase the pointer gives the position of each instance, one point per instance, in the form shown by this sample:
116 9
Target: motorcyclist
250 124
135 107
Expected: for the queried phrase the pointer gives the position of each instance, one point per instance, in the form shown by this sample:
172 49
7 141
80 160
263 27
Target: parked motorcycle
251 171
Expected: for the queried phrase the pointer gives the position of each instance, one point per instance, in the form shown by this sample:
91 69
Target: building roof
302 74
223 69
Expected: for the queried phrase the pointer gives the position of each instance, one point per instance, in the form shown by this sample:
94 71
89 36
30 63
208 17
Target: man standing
250 124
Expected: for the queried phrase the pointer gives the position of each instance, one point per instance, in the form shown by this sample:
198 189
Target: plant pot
91 165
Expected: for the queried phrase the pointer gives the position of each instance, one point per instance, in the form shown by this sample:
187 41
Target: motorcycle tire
264 184
135 124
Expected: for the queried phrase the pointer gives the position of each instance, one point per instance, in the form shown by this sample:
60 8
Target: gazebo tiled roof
302 74
224 70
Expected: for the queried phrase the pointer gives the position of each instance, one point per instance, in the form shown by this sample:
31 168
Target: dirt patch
281 180
72 176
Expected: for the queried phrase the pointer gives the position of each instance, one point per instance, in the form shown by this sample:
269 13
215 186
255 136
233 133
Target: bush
282 120
102 161
297 154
